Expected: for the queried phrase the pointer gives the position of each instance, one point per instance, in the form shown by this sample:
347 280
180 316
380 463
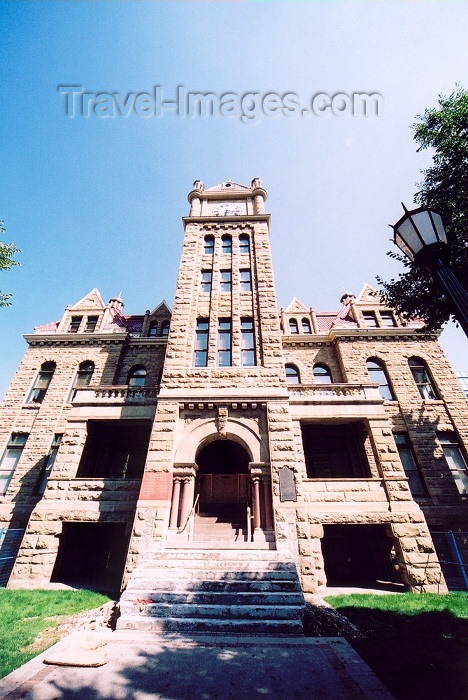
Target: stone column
268 504
175 503
187 499
256 502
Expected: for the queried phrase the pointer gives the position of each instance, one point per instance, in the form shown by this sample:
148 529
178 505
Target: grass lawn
416 643
26 614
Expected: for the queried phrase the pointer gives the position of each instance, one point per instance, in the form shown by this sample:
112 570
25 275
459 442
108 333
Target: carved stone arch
198 436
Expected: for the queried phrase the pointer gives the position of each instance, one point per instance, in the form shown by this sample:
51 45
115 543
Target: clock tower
222 434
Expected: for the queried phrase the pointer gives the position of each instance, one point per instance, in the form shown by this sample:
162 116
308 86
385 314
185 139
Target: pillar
175 504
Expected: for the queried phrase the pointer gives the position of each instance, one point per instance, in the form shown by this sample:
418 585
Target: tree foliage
7 251
445 190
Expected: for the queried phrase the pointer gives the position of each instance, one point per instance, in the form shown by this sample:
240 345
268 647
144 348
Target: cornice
76 338
248 218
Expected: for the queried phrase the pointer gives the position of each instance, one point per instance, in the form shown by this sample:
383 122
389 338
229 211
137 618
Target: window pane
370 319
206 281
224 358
305 325
245 281
244 244
248 358
209 245
91 323
75 324
200 358
293 329
226 244
225 280
292 375
153 329
165 329
457 465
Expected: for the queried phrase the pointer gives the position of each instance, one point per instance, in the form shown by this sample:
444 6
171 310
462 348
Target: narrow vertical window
410 465
49 463
10 459
208 248
82 378
224 342
421 378
305 324
165 329
370 319
244 244
75 324
245 281
42 382
292 374
322 374
91 323
226 244
378 375
226 280
206 276
293 328
153 329
455 460
200 354
247 343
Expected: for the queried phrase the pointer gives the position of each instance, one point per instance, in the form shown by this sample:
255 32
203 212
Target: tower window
322 374
200 353
208 247
245 281
305 324
206 276
226 280
247 343
11 458
42 382
370 319
410 465
165 329
244 244
292 374
293 328
75 324
226 244
378 375
224 342
91 323
153 329
422 379
137 376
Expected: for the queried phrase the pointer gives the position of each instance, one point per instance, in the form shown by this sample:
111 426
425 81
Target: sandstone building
337 440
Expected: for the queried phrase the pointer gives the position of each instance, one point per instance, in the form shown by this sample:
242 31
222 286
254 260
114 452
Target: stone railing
116 394
335 392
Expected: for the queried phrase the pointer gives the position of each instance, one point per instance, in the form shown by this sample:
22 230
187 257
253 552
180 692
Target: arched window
292 374
153 329
208 248
244 244
226 244
378 375
84 374
165 329
305 324
137 376
322 374
293 328
42 382
422 378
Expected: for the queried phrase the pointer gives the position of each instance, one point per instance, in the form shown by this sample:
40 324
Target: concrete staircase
207 591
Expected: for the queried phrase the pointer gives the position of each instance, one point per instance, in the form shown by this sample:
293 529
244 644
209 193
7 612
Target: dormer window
153 329
91 323
293 327
75 324
370 319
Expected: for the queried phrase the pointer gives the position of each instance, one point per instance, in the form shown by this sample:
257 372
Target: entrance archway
223 478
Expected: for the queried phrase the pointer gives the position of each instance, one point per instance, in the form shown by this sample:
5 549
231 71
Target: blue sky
97 202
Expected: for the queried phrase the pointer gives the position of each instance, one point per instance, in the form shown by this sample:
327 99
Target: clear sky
97 202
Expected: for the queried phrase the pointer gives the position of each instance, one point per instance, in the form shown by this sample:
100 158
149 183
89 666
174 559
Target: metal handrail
249 525
191 518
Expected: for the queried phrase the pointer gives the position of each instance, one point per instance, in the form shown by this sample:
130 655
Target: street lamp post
420 235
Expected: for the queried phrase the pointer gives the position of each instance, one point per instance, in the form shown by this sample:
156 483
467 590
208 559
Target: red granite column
256 502
268 504
175 503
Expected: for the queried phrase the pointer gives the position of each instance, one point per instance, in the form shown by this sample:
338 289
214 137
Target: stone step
219 555
290 628
206 611
143 588
222 598
215 544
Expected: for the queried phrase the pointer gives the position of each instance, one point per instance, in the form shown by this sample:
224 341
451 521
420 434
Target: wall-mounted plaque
287 484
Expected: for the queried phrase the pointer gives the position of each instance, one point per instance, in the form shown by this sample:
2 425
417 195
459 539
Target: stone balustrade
116 394
336 392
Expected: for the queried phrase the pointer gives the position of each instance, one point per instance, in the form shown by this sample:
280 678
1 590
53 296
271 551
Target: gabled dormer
157 322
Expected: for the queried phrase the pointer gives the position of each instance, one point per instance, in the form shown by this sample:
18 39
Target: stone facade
110 421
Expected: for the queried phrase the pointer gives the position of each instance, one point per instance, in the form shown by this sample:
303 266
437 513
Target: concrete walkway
142 666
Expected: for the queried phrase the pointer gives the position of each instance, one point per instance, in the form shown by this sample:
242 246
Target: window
455 460
208 248
165 329
335 451
42 382
322 374
244 244
137 376
82 378
245 281
49 463
114 449
305 324
91 323
247 343
153 329
422 379
370 319
206 280
224 342
293 328
11 458
292 374
388 319
409 463
226 244
200 353
226 281
378 375
75 324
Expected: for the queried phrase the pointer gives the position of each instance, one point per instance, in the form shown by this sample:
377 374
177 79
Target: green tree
445 190
7 251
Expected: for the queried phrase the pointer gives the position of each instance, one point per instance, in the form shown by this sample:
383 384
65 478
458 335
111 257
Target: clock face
227 209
